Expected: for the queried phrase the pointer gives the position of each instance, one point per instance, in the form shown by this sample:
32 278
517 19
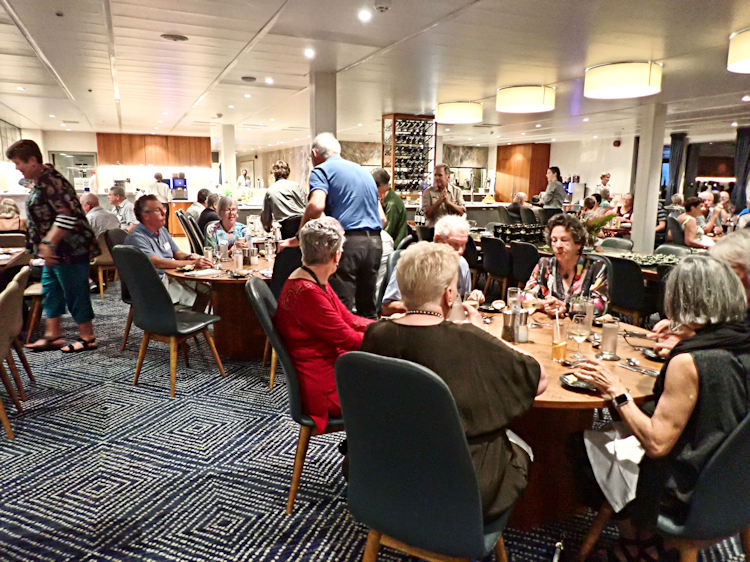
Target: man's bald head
89 201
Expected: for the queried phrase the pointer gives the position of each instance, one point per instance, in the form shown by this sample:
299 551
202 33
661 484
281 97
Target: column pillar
227 155
491 167
647 175
322 103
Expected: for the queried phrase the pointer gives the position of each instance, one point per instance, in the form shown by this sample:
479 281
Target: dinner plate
571 382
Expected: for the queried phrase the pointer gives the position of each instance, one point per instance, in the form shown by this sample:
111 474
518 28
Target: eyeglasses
162 211
231 211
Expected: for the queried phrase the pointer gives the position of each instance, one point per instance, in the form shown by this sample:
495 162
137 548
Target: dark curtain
691 169
677 150
741 167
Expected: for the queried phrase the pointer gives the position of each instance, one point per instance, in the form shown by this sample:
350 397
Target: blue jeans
67 285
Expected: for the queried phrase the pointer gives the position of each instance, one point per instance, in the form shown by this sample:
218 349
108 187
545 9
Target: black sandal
86 345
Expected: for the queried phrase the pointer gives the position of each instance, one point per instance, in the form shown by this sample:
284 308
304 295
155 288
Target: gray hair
326 145
605 193
90 199
117 190
678 199
701 291
212 199
733 249
520 197
424 271
320 239
225 202
448 224
9 209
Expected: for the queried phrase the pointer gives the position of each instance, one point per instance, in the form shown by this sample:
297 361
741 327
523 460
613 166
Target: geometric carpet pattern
104 470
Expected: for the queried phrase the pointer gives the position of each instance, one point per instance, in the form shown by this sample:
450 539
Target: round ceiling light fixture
738 59
173 37
459 113
525 99
622 80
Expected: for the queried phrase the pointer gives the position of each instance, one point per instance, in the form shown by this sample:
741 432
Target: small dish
573 383
498 304
239 274
184 268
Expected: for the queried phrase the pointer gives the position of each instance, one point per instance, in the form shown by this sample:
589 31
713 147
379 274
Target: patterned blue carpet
103 470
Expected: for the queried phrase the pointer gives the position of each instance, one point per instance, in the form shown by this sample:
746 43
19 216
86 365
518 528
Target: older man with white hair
99 218
452 230
346 191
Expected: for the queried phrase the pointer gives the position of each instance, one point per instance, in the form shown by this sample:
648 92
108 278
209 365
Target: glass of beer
559 341
468 300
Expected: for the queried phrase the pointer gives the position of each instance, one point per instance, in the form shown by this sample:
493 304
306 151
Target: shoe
93 288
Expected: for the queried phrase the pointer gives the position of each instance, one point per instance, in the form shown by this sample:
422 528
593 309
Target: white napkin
266 272
203 272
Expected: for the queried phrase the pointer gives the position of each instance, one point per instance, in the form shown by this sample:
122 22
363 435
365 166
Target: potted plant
593 226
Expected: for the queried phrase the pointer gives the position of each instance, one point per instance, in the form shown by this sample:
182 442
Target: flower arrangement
594 225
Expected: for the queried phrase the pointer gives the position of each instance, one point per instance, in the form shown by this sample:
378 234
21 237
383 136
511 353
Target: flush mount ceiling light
309 53
462 112
525 99
173 37
738 59
622 80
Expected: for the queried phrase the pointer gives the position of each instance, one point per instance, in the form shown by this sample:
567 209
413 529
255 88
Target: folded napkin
203 272
266 272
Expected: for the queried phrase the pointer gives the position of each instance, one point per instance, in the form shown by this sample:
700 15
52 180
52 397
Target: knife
648 372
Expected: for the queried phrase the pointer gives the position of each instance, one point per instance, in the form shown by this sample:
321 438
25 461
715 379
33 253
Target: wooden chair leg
18 346
595 530
372 546
141 355
499 549
212 345
114 275
745 541
34 316
688 551
299 461
172 365
10 389
127 329
16 377
274 359
266 349
6 422
487 283
504 287
100 276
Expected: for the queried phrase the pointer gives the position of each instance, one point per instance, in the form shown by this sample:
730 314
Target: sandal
45 344
86 345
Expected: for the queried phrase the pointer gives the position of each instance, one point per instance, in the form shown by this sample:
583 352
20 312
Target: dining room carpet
104 470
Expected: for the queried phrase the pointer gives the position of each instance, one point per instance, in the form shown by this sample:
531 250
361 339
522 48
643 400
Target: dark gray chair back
284 265
112 238
719 506
528 216
410 472
495 258
673 225
390 266
153 310
617 244
264 306
524 256
195 246
408 239
626 288
426 233
196 231
547 214
471 254
504 215
673 250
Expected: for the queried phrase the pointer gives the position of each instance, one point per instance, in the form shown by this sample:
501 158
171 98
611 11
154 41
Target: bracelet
48 243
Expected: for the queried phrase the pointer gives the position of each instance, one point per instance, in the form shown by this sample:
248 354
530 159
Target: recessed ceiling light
20 88
173 37
160 121
447 130
596 137
523 134
364 15
230 106
248 96
734 123
269 80
537 125
745 97
272 119
67 129
585 119
163 112
507 143
310 53
553 140
479 144
51 115
153 133
359 124
469 138
156 128
62 125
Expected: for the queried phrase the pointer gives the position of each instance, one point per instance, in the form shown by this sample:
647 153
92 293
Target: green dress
395 212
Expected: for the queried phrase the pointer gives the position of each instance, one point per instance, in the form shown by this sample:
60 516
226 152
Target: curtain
677 151
741 167
691 169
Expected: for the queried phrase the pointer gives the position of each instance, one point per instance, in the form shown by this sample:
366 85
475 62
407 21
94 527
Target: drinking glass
270 246
559 341
608 347
579 332
208 253
530 304
514 297
469 300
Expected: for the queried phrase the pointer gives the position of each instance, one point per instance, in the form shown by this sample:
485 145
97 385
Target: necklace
312 274
425 312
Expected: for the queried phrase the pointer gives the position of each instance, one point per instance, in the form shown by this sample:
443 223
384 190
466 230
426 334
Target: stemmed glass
579 331
530 303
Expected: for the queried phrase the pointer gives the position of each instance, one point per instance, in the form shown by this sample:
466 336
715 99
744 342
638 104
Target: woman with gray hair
700 398
227 228
315 326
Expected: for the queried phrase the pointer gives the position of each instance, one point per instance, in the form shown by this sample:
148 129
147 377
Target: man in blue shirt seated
151 236
454 231
346 191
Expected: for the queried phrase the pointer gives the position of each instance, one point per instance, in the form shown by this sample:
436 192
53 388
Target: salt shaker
522 329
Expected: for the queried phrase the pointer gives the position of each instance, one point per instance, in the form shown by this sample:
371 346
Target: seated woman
10 217
590 208
227 228
700 397
568 273
492 382
695 237
313 323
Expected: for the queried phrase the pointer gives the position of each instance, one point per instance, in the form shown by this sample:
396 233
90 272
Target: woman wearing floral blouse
227 228
568 273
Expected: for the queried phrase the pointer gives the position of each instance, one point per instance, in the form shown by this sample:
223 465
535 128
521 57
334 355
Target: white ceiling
418 53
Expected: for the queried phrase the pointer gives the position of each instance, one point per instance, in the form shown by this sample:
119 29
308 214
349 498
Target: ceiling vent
173 37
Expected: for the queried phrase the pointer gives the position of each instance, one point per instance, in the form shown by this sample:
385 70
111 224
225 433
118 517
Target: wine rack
408 150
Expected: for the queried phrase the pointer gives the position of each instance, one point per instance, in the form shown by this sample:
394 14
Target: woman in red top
315 326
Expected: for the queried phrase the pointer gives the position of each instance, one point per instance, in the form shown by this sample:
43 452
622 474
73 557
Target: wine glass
530 303
579 332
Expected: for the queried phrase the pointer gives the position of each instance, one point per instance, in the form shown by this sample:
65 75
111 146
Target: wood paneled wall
521 167
159 150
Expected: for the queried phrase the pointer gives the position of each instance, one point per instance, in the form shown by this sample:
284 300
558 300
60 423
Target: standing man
161 190
345 191
244 182
443 198
197 208
122 208
395 211
59 234
99 219
285 202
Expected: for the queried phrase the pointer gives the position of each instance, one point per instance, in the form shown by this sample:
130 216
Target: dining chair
496 262
547 214
425 233
113 238
264 306
504 215
390 266
154 313
33 292
195 246
617 244
196 231
407 241
474 259
673 250
627 293
675 231
103 263
524 257
528 216
411 478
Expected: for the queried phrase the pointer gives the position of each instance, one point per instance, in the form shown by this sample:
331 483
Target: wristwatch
621 399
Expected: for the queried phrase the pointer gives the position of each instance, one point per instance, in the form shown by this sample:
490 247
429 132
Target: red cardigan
317 329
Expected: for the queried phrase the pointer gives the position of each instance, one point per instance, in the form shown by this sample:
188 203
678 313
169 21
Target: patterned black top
53 201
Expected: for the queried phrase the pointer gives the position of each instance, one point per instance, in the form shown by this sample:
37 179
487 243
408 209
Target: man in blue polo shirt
346 191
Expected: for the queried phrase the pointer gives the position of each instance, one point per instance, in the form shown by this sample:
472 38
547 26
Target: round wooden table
555 415
238 335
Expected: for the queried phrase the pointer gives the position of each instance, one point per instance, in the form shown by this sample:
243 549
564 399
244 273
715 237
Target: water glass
608 347
208 253
270 246
514 297
559 341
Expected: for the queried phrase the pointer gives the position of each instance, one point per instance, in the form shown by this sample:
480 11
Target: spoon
632 362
